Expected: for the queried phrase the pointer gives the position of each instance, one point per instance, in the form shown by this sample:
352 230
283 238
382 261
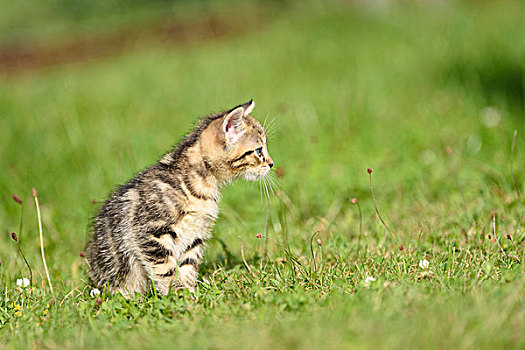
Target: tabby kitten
153 229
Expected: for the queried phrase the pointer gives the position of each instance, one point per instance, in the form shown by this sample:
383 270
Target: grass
35 22
428 96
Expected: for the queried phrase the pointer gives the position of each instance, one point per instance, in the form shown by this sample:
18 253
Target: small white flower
94 292
22 282
424 264
368 280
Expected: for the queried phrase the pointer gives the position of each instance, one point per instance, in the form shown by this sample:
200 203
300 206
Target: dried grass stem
42 240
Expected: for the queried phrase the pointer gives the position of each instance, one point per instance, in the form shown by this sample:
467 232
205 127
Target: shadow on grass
226 259
500 78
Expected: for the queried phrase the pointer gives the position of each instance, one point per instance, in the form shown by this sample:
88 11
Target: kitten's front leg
189 265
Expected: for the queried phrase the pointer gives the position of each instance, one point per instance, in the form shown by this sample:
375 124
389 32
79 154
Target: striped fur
152 230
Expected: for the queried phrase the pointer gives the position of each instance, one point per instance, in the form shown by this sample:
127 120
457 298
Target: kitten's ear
233 125
248 107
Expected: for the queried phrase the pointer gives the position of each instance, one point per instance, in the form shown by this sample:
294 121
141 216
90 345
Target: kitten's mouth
265 172
254 176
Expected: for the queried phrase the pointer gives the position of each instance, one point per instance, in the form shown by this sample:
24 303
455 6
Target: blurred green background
426 93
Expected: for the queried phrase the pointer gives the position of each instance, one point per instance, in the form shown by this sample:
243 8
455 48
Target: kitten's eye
258 152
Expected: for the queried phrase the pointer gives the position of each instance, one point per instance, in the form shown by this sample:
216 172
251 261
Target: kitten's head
242 145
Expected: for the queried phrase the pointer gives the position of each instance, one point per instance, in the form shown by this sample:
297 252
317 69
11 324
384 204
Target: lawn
426 95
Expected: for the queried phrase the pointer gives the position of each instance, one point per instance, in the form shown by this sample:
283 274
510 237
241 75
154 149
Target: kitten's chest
199 217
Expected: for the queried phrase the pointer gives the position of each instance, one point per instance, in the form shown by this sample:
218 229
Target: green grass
33 22
348 87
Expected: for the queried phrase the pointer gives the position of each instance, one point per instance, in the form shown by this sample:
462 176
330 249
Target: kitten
153 229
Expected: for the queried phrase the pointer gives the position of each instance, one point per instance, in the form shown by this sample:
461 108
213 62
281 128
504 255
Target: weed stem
375 206
496 236
312 250
512 148
42 239
458 183
266 229
15 238
244 259
21 220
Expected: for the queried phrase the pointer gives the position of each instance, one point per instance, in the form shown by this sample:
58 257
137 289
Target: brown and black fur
152 230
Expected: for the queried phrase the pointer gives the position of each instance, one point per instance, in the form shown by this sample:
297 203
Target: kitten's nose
268 159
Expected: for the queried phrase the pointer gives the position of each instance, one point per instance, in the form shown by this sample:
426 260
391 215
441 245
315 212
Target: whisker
265 119
267 225
274 182
272 121
263 181
271 135
271 127
261 190
266 189
269 182
272 177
